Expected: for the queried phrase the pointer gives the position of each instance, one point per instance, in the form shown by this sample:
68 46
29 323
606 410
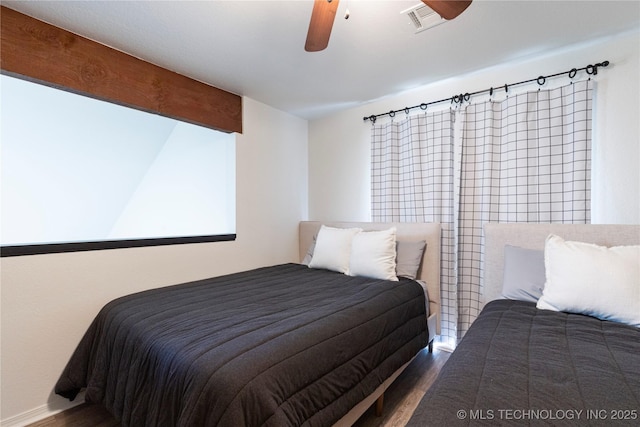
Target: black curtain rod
459 99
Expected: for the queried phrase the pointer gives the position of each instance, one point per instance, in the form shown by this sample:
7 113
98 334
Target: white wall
48 301
339 163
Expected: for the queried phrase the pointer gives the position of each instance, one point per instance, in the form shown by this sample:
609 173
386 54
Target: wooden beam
46 54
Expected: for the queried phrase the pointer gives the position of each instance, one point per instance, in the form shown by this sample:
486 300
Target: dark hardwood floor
84 415
402 397
400 400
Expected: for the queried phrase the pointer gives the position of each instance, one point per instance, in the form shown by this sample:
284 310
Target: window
79 173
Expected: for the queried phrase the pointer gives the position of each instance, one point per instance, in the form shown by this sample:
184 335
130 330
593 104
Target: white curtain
526 158
412 177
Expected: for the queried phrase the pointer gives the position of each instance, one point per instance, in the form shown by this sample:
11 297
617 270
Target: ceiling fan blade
322 17
448 9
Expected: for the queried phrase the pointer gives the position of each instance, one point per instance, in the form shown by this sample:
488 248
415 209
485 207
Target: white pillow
333 248
594 280
373 254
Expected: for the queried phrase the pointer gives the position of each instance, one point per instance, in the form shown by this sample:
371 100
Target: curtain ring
423 106
467 96
573 73
591 69
392 113
541 80
373 119
406 110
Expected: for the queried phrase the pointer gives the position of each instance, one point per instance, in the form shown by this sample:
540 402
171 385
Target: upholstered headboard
533 236
429 232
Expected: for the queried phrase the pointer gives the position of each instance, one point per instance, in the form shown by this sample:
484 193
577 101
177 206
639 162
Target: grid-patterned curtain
412 181
524 159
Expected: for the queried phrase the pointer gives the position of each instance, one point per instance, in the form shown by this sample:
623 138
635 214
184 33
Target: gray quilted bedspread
520 366
277 346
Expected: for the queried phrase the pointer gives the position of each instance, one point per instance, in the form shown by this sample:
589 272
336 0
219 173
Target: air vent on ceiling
422 17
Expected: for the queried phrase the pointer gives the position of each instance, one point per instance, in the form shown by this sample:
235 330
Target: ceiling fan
324 13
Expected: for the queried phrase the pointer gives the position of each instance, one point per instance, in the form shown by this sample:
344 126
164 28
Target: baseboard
41 412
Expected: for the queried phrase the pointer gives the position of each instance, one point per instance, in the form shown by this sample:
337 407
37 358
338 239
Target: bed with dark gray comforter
521 365
518 365
282 345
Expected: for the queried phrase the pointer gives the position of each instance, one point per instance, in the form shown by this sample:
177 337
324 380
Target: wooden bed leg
431 346
379 405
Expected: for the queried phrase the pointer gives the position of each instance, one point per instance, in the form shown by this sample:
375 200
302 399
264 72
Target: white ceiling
256 48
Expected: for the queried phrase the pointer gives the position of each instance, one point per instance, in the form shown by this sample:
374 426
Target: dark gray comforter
282 345
518 365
